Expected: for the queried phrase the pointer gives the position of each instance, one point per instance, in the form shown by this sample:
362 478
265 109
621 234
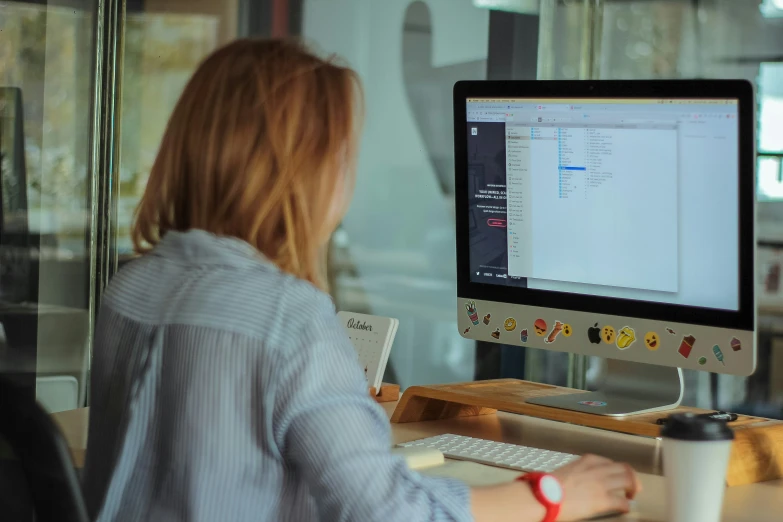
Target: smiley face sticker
652 341
567 331
608 334
510 324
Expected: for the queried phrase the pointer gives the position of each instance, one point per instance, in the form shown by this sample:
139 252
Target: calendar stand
389 393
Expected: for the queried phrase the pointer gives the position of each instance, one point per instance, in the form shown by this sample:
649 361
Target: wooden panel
757 454
74 424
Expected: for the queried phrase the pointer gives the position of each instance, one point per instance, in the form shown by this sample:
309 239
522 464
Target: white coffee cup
696 454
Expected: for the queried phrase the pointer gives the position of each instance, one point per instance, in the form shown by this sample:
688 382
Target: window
647 39
46 59
164 43
394 255
770 173
48 165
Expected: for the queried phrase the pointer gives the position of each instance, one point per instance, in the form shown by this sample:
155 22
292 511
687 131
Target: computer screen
633 198
613 219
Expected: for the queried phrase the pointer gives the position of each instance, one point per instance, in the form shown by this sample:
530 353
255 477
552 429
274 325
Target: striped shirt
225 390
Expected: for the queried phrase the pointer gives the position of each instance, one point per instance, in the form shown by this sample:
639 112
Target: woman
223 386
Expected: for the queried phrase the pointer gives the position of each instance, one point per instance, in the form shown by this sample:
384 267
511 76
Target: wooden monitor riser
757 453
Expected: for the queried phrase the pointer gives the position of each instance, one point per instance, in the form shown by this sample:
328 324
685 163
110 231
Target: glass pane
46 66
394 255
770 184
164 43
770 91
565 46
647 39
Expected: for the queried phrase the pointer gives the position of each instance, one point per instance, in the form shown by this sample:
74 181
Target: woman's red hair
261 147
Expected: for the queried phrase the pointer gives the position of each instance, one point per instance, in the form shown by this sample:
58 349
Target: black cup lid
687 426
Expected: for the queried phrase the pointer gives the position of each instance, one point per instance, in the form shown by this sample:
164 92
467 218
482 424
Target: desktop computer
611 219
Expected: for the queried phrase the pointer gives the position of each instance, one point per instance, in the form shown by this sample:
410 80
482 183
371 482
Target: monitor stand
628 388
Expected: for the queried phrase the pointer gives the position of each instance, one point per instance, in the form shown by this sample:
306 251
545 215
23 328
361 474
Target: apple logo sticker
594 334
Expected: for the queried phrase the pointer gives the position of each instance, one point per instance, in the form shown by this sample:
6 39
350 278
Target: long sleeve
338 439
225 389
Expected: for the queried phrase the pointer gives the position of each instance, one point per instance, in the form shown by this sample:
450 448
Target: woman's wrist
532 509
513 501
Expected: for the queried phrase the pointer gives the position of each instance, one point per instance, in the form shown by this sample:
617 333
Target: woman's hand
591 486
594 485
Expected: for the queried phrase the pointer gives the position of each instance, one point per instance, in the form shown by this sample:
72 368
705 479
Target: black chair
45 478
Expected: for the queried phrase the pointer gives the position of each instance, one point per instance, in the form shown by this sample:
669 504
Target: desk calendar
372 336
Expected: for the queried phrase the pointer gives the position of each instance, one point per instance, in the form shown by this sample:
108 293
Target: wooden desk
753 503
74 424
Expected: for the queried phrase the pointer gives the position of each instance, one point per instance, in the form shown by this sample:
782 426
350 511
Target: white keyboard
498 454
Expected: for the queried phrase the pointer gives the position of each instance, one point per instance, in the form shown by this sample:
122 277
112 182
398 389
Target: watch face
551 489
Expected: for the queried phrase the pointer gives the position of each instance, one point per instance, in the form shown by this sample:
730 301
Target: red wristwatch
548 492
